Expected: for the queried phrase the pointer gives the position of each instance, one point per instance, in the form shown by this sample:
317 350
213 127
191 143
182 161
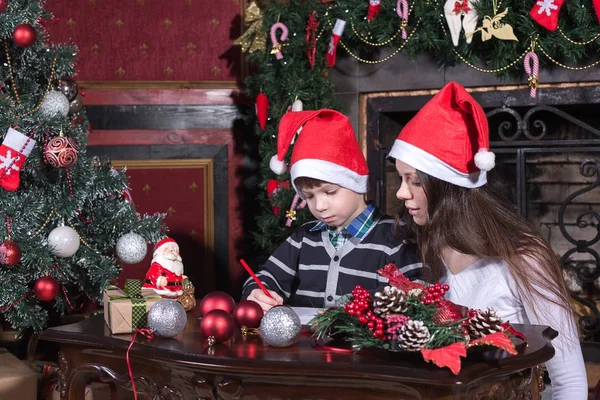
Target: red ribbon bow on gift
460 7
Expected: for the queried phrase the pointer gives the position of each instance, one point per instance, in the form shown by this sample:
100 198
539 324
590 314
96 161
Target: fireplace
548 160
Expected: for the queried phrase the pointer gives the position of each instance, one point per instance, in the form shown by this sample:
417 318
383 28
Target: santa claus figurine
165 275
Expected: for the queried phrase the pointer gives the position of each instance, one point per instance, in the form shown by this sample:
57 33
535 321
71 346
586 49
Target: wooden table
185 367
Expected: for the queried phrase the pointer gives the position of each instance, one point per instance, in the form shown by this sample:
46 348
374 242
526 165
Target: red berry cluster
361 301
435 293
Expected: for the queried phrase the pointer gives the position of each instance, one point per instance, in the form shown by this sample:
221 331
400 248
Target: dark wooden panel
111 97
163 116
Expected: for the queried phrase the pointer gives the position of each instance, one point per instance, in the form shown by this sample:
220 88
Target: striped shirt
308 271
357 228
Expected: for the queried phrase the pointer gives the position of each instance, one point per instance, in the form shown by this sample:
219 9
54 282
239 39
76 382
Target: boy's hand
265 301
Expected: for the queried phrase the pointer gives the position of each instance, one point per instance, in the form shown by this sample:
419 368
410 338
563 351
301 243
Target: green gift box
126 310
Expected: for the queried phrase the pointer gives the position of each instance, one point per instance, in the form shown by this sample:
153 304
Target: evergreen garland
574 43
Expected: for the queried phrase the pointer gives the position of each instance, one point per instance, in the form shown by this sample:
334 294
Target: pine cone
484 323
390 300
413 336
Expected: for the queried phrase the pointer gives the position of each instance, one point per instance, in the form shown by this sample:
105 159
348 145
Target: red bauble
248 313
61 152
24 35
217 301
273 186
46 288
218 324
10 253
3 5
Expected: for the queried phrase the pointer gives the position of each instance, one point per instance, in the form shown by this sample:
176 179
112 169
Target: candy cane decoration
403 10
276 45
532 67
291 214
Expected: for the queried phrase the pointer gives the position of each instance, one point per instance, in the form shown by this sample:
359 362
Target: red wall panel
208 136
151 40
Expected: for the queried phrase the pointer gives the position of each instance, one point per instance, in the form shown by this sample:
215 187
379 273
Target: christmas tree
62 213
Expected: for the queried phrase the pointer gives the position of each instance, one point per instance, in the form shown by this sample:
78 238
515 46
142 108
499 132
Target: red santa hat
448 139
325 149
162 243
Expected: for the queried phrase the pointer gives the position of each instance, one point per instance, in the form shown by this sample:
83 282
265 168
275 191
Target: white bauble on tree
131 248
63 241
55 104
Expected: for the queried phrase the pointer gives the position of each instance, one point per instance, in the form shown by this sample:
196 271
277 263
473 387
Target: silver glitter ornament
55 104
131 248
280 327
167 318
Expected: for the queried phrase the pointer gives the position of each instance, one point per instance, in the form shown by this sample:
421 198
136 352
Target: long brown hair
483 223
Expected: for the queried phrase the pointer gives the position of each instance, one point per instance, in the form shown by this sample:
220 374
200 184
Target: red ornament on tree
262 110
24 35
217 301
273 186
3 5
248 313
546 12
46 288
217 326
374 9
61 152
10 253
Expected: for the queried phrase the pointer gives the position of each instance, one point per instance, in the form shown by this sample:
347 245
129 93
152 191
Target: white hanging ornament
131 248
460 14
297 106
63 241
55 104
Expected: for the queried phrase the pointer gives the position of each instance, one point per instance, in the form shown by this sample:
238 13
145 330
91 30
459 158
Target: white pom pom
485 160
277 166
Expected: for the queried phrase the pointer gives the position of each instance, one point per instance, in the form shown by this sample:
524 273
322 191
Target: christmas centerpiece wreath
407 316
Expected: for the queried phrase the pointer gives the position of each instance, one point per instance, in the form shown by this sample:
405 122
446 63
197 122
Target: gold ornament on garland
253 39
491 26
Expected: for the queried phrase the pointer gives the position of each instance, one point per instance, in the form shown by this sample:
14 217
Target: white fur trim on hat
329 172
277 166
425 162
485 160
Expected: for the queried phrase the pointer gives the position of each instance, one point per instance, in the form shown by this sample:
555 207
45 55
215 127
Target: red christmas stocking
545 13
374 8
13 154
338 29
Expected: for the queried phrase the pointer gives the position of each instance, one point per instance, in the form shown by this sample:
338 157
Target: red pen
258 282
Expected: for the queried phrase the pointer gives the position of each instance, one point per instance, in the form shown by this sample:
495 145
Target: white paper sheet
306 313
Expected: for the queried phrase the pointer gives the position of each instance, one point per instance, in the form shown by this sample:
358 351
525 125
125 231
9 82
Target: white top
488 283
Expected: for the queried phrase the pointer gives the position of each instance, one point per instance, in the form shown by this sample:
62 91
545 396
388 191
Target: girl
472 239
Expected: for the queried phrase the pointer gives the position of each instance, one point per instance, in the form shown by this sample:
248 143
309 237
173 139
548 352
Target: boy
325 259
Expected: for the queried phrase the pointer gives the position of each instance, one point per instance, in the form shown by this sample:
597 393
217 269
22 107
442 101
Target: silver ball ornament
63 241
280 327
55 104
167 318
131 248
